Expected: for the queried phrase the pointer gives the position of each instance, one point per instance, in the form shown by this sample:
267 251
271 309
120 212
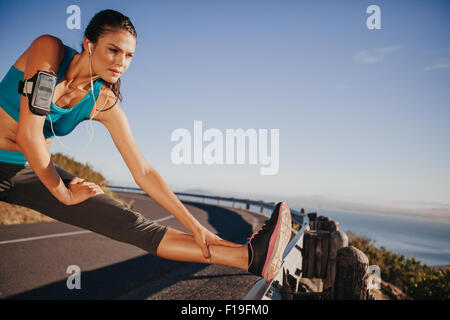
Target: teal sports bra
64 120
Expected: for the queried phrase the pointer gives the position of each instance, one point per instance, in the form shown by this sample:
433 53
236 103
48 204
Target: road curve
34 259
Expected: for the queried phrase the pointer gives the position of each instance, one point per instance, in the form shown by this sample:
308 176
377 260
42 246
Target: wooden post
261 210
325 246
315 261
247 206
234 203
309 245
318 257
312 217
326 224
286 289
351 268
338 240
333 226
322 223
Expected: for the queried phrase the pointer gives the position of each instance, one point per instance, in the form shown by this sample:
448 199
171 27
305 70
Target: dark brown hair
108 21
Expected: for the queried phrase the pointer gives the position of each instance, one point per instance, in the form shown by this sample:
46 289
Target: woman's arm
149 179
154 185
43 54
144 175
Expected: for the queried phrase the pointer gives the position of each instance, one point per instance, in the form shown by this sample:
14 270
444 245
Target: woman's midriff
8 133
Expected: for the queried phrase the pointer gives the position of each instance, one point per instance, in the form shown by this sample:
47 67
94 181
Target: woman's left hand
204 238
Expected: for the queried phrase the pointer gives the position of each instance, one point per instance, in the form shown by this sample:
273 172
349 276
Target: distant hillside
13 214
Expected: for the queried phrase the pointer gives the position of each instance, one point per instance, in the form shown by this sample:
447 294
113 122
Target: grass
417 280
14 214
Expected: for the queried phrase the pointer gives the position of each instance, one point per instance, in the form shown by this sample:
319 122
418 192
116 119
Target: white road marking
45 237
163 219
65 234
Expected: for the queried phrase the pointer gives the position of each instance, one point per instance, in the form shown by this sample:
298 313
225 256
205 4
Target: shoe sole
278 242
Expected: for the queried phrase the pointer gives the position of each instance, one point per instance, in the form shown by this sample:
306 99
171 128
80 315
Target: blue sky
363 114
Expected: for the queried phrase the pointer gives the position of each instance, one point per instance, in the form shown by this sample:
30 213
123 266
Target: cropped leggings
101 214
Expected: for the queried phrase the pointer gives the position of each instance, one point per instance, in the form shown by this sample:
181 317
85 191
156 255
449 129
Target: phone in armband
39 91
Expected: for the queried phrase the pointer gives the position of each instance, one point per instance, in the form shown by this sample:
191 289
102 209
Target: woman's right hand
80 190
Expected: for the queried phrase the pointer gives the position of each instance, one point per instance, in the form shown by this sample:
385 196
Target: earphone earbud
89 47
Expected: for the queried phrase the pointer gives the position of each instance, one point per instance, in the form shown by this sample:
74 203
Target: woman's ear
88 46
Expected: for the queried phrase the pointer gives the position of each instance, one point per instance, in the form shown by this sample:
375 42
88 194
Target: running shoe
266 246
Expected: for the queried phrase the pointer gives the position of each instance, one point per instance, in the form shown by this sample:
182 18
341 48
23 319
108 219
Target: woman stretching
88 87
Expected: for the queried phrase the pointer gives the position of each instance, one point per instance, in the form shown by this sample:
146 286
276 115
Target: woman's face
112 54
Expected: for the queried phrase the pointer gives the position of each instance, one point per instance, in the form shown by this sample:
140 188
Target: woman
107 50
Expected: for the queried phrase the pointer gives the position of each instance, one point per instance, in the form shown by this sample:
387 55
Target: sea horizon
413 236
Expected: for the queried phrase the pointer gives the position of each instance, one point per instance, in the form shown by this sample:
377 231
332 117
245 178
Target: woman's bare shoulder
45 41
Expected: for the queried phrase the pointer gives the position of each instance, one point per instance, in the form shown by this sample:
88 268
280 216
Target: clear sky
363 115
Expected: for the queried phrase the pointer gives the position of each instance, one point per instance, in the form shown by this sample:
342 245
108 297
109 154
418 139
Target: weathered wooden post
320 248
351 268
316 244
309 245
286 288
330 268
312 218
247 206
338 240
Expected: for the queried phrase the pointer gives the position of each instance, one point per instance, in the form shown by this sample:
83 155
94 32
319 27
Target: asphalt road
34 259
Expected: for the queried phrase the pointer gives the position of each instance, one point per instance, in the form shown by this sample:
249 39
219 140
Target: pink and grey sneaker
266 246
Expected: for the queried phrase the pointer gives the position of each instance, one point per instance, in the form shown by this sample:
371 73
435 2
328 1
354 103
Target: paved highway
34 259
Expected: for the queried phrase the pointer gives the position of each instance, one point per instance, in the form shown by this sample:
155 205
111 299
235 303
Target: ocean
426 241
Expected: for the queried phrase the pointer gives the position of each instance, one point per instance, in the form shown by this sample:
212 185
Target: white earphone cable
88 125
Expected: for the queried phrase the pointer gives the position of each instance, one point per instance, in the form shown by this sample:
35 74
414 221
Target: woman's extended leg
180 246
262 255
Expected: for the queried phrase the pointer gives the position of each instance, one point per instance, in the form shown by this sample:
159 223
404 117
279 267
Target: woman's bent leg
100 214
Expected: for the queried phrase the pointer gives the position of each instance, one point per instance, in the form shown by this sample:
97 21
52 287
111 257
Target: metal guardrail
234 201
292 256
247 202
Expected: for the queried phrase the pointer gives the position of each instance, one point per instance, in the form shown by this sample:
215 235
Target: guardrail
258 203
292 256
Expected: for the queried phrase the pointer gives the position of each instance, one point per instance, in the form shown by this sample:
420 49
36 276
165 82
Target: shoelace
260 231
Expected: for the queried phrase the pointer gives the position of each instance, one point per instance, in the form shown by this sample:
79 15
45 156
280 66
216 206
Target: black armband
39 91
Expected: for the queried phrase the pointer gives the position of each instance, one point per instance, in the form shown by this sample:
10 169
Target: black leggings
101 214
